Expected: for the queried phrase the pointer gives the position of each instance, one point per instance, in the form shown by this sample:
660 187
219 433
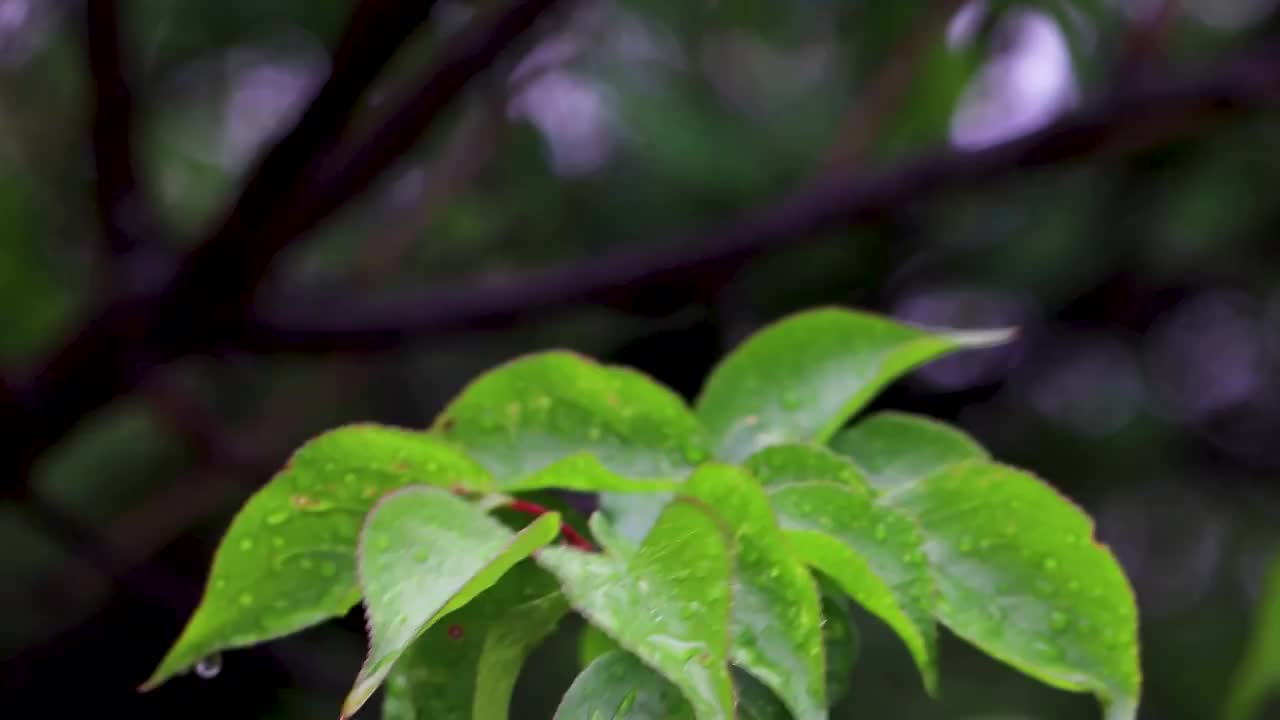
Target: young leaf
669 603
424 553
288 560
466 665
1021 576
777 614
618 686
801 378
873 553
523 417
895 449
1259 672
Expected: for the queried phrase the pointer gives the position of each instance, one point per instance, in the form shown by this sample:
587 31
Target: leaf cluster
731 536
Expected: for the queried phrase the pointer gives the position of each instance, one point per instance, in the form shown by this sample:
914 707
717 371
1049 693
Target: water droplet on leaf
278 518
209 666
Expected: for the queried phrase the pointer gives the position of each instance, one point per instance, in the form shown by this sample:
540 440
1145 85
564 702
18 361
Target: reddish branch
572 536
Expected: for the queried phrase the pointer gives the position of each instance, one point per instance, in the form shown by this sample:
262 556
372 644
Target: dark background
193 280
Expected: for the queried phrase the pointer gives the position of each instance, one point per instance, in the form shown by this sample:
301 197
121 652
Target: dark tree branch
1143 119
123 214
212 290
233 259
475 52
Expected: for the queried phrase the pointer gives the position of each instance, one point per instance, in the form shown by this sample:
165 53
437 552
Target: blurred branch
474 52
1145 38
122 213
231 262
865 120
1142 119
212 290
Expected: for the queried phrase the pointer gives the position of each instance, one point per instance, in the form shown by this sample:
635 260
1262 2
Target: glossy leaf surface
465 666
1021 576
777 613
617 686
801 378
424 553
873 553
895 449
668 603
288 560
524 417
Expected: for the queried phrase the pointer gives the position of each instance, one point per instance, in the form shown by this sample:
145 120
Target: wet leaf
777 615
425 552
593 643
465 666
558 419
618 686
873 553
1259 673
529 414
288 560
1021 576
894 449
756 701
840 642
669 603
801 378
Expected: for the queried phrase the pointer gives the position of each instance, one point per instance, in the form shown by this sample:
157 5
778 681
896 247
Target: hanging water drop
209 666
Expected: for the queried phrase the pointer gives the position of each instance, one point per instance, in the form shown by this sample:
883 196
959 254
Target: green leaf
593 643
756 701
464 667
874 553
1021 576
801 378
560 420
669 603
529 414
839 642
1259 673
895 449
777 614
288 560
425 552
618 686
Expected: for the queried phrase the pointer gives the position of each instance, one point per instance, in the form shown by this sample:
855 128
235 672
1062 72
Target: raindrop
278 518
1049 564
966 544
1058 620
790 400
246 599
246 544
277 541
881 531
209 666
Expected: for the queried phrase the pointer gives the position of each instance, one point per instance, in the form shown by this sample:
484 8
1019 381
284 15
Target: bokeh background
1145 276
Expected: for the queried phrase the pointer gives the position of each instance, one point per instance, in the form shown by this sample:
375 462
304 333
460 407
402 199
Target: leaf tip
977 339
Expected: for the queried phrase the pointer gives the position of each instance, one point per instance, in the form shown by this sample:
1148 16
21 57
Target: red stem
575 539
